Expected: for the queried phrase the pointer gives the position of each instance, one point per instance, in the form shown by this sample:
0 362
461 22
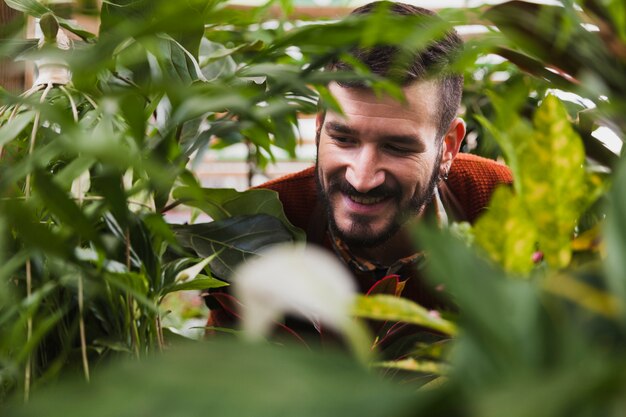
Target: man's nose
364 172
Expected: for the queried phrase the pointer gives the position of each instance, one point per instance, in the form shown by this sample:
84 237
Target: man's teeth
366 200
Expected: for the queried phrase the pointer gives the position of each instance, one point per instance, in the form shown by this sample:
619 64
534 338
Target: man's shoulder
470 167
472 180
298 194
287 182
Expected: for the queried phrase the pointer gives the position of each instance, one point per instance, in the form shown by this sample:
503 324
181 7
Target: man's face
377 165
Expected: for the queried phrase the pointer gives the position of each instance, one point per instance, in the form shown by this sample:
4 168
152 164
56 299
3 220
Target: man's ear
319 122
452 142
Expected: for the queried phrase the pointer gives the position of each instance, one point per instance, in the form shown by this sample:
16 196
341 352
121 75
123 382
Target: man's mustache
382 191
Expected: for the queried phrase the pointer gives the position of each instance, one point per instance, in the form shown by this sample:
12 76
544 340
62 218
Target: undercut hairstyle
431 62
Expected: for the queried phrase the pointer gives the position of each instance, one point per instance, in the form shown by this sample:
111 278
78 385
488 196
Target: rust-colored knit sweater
471 182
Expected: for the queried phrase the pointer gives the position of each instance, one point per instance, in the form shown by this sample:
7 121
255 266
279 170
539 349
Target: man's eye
397 149
341 140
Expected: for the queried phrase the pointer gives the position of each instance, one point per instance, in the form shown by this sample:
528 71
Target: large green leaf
215 60
497 314
176 63
506 232
615 236
552 191
30 7
554 182
116 12
228 379
222 203
232 240
10 130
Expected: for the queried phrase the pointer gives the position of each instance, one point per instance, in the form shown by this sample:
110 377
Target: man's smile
365 199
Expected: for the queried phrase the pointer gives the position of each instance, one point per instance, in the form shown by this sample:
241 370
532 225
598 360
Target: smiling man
385 163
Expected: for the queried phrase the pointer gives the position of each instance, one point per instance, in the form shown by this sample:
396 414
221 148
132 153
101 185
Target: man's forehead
423 91
420 104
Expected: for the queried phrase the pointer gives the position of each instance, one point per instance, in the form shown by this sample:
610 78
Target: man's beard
360 233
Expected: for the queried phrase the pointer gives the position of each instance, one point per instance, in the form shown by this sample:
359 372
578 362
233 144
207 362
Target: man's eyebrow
339 128
403 139
342 128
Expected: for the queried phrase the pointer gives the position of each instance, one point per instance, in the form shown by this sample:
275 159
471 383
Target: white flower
294 279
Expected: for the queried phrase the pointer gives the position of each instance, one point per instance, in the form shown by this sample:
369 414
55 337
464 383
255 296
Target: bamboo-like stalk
29 280
134 335
159 329
81 325
29 334
81 293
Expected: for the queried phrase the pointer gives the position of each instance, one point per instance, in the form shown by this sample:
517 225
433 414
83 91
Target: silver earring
444 174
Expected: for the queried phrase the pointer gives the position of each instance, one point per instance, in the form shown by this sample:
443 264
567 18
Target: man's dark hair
432 61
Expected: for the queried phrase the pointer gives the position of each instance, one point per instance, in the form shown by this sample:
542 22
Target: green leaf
497 312
552 188
220 203
176 63
506 232
31 231
191 272
388 307
216 61
615 237
62 207
75 29
133 284
30 7
554 183
72 171
116 12
229 378
11 129
202 282
413 365
232 240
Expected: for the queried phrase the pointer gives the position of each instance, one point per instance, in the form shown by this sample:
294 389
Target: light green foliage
552 190
554 183
506 232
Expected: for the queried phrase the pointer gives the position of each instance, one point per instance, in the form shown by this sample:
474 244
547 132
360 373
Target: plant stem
159 329
134 335
29 281
81 324
29 334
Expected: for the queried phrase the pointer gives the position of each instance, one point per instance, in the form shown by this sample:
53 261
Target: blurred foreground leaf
227 379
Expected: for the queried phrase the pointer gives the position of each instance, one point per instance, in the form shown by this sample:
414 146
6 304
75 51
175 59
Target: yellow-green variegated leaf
389 307
554 183
506 232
